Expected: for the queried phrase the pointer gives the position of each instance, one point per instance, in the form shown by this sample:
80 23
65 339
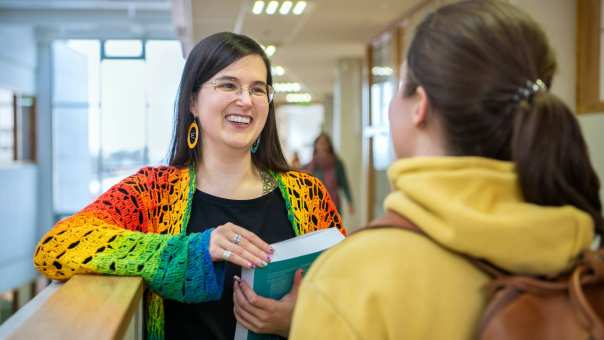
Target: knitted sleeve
309 205
133 229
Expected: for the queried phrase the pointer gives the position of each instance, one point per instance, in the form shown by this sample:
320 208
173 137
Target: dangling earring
193 134
255 145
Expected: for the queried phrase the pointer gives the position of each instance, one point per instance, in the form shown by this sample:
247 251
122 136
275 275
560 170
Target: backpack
520 307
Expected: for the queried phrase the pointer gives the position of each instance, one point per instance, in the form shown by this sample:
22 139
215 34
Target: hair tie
527 91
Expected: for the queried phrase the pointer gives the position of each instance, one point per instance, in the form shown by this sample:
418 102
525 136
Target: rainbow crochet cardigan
138 228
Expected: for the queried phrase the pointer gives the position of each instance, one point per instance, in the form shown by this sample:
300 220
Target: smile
238 119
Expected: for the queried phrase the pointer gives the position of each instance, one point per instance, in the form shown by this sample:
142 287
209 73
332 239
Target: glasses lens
270 92
226 86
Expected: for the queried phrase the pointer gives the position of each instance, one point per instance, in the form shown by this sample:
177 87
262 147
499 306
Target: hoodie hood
474 205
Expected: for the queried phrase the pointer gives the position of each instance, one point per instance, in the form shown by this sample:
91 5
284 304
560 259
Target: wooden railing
85 307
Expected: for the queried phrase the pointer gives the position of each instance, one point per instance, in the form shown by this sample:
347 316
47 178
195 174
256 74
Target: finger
218 254
253 238
246 320
242 253
297 281
240 261
254 299
251 248
241 301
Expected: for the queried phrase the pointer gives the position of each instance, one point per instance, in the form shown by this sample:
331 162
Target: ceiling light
258 7
277 70
285 7
272 7
287 87
381 71
299 8
270 50
298 98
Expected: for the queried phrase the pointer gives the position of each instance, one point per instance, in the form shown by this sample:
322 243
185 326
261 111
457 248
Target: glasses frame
270 90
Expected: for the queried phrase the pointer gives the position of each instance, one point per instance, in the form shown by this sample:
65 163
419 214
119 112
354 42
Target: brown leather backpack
568 307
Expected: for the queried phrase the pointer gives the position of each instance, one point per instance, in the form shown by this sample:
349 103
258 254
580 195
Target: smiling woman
225 196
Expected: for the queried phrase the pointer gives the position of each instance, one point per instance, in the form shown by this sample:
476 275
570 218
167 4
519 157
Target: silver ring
226 254
237 239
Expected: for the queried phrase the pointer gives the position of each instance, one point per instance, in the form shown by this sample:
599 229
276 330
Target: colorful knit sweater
138 228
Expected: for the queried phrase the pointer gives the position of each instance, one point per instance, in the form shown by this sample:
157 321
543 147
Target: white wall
298 126
17 224
17 59
558 20
593 128
347 136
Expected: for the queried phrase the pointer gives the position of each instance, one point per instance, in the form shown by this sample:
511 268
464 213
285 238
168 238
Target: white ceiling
308 46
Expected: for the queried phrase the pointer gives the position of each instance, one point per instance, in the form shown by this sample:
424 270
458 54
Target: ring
237 239
226 254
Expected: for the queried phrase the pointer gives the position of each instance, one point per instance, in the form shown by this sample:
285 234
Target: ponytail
488 87
551 157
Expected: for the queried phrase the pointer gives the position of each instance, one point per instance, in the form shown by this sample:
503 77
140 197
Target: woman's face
322 148
233 118
402 128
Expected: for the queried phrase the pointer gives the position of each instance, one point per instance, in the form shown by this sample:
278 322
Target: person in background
225 196
491 164
328 167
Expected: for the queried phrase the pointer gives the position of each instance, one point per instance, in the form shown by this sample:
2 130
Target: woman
492 165
225 196
327 167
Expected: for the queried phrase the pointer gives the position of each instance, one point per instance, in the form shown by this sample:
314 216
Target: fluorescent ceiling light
272 7
286 6
299 8
270 50
298 98
287 87
258 7
381 71
277 70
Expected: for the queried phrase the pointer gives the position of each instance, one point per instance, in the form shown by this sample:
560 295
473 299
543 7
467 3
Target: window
113 104
17 122
7 126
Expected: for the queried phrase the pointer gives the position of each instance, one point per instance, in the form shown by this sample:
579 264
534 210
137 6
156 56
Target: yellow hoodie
393 284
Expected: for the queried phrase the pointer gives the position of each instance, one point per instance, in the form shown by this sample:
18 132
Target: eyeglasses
259 90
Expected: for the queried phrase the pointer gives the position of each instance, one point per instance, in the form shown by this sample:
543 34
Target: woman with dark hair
492 165
328 167
226 194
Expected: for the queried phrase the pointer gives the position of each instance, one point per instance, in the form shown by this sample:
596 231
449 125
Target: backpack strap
590 270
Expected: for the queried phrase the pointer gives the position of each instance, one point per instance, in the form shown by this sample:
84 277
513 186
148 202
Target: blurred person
226 194
329 168
491 165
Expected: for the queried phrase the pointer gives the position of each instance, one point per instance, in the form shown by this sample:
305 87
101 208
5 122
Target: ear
420 115
193 105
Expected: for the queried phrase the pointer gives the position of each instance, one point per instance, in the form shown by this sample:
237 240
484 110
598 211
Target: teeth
238 119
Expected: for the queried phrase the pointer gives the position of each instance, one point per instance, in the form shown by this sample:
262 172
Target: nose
244 96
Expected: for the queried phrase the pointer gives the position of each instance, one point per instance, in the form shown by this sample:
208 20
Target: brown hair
471 58
207 58
326 137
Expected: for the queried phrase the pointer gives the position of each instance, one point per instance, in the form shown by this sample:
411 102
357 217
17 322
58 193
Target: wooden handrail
85 307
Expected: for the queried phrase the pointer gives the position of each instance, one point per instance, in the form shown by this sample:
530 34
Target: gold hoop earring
193 134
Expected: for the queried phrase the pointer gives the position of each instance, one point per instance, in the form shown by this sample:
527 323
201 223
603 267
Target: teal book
275 280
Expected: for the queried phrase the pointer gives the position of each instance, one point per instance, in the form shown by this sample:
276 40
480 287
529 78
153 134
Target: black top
265 216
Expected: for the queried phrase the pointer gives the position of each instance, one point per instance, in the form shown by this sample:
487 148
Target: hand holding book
275 286
265 315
